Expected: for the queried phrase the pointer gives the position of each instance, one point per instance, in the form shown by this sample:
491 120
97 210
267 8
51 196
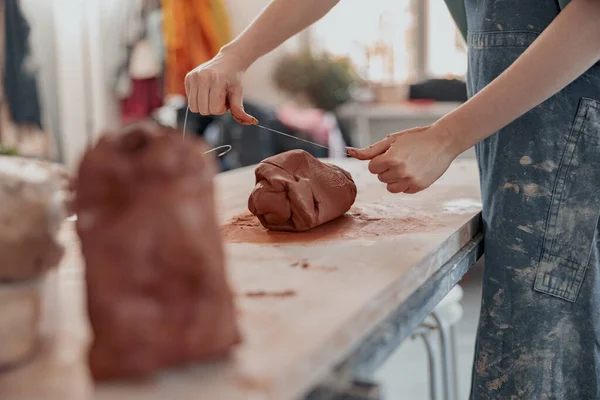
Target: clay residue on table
304 264
271 293
355 224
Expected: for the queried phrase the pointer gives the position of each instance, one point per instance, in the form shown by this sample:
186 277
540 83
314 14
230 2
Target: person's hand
216 86
412 160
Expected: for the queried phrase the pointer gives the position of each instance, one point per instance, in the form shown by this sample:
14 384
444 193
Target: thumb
372 151
234 101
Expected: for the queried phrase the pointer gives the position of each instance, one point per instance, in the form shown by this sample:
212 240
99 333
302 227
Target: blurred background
73 69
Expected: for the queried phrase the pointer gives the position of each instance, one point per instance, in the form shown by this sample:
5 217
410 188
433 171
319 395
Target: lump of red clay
295 192
156 286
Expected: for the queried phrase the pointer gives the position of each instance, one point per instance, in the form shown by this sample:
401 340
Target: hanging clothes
122 28
142 102
145 60
155 34
43 49
194 32
22 133
20 84
144 66
146 92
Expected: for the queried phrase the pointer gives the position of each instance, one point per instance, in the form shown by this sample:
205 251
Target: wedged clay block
295 192
31 213
156 286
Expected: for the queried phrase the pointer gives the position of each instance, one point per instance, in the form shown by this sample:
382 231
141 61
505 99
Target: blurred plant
326 81
8 151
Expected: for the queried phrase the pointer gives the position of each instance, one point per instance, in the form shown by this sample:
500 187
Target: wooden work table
332 299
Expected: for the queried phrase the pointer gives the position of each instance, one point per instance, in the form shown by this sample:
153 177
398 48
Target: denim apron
539 328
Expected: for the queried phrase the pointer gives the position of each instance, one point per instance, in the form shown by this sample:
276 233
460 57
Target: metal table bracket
354 390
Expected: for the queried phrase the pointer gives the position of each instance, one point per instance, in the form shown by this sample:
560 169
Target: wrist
241 53
454 136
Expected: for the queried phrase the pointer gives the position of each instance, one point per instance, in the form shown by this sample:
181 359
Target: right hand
216 86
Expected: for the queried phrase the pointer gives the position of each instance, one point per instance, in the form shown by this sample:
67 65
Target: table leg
454 361
402 322
448 366
433 359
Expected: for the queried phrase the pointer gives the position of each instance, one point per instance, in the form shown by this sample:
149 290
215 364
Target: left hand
411 160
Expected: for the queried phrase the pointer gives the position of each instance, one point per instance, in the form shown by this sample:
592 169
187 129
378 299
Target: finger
372 151
192 92
234 99
414 189
193 99
217 98
388 176
382 163
203 94
186 83
412 130
398 187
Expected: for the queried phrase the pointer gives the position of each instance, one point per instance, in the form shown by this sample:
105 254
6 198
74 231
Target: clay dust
264 293
245 228
304 264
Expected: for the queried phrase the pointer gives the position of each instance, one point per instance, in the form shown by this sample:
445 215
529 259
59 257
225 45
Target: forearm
279 21
564 51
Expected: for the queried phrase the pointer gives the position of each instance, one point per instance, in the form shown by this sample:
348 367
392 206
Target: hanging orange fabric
194 32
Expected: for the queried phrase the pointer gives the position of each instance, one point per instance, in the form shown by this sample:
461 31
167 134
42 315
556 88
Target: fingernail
352 151
240 121
254 121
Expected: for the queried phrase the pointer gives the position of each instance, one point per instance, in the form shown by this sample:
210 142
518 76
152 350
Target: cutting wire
260 126
227 147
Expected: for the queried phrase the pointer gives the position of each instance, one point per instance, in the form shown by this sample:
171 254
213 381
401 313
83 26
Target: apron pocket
574 209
